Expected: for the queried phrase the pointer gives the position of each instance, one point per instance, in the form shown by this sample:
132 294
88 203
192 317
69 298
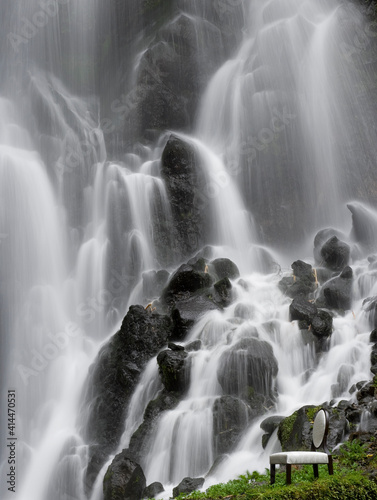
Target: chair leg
272 473
330 466
289 474
315 470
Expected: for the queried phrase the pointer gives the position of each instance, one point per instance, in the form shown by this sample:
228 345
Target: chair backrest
320 429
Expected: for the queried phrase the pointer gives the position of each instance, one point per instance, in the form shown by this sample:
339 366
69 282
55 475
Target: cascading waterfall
78 228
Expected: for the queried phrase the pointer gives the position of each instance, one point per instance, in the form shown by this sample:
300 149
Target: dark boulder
269 425
187 485
180 169
335 254
248 370
302 310
302 283
175 347
174 370
337 292
320 239
124 480
225 268
302 270
184 282
373 336
299 288
230 419
195 345
114 375
223 292
322 324
373 359
185 312
153 490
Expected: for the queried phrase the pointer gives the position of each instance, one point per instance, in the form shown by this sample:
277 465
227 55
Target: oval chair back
320 430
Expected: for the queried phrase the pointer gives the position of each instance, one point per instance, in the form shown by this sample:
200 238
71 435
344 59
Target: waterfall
270 100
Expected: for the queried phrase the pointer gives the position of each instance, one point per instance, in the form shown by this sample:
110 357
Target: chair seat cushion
299 457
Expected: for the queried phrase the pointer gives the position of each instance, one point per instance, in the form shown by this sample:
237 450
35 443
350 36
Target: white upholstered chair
313 457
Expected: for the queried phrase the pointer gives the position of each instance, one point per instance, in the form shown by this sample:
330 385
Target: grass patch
351 485
349 482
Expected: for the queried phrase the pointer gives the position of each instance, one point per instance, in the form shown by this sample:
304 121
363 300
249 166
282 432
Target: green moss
286 429
312 412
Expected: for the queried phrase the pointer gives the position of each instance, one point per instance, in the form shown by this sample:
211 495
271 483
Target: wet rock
373 359
248 370
175 347
366 393
140 441
124 480
230 419
174 370
223 292
320 239
335 254
153 490
285 283
364 225
270 424
322 324
172 73
370 307
302 310
184 282
225 268
337 293
373 336
300 288
180 169
353 414
187 311
114 374
302 283
187 485
195 345
302 270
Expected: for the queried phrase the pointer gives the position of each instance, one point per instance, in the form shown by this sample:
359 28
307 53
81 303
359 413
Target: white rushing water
78 230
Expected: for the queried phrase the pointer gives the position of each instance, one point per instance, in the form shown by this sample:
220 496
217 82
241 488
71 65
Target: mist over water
284 138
